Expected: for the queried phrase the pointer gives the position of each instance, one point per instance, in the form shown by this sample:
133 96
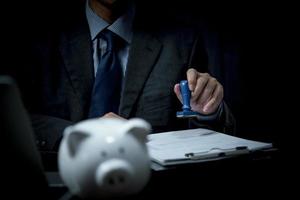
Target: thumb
178 92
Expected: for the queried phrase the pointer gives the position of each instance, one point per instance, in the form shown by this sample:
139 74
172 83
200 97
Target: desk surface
259 175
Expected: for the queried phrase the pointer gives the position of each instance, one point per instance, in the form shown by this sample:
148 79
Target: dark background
252 38
257 45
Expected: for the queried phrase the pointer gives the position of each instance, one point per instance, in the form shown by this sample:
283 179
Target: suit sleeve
206 57
223 122
48 131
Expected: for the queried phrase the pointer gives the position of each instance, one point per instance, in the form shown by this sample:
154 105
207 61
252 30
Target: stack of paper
197 145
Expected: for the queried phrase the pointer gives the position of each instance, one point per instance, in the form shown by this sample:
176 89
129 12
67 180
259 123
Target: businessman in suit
154 56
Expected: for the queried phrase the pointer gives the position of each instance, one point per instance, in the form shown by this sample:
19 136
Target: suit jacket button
43 143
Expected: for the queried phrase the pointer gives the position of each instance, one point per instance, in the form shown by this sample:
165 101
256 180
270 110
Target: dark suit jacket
59 75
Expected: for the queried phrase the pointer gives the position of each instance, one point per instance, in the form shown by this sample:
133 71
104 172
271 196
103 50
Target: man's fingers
112 115
177 92
212 105
201 84
192 76
207 92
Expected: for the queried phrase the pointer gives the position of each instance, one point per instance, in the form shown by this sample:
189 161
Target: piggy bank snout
114 174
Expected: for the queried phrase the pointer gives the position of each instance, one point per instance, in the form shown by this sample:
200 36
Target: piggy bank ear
138 128
74 139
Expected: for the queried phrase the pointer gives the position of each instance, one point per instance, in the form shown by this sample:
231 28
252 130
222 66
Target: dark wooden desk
258 175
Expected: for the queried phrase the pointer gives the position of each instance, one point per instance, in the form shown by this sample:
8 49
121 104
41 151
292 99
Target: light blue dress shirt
121 27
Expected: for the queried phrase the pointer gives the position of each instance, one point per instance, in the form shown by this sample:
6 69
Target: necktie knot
113 40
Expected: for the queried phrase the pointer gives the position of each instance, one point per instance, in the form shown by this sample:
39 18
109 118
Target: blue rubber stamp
186 96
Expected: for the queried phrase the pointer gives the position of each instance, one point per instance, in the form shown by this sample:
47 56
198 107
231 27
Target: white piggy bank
101 158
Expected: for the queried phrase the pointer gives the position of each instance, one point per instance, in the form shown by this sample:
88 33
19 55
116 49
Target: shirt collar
122 26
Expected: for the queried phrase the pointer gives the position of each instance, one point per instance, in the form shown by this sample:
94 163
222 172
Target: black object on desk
22 163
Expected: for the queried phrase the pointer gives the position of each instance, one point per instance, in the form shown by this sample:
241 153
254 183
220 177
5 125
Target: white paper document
198 145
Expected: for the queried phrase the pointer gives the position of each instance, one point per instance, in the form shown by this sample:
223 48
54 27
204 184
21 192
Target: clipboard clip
217 153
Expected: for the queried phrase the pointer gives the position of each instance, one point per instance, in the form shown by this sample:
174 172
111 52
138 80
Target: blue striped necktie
106 92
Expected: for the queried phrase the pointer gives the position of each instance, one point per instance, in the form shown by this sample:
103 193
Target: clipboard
198 145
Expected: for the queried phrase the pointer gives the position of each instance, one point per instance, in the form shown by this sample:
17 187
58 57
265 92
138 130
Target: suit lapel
76 51
145 49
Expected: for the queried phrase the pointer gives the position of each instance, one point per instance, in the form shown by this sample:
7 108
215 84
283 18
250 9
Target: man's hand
206 92
112 115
